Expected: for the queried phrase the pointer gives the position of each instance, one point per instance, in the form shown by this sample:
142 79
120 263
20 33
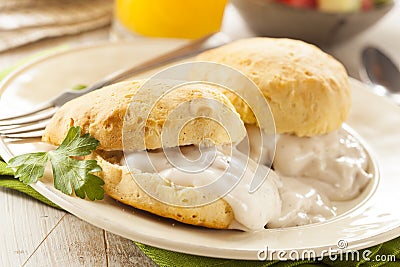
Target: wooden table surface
34 234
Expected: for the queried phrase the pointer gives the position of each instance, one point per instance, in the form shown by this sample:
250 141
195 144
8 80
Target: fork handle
193 48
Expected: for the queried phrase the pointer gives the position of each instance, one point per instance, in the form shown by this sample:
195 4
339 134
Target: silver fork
32 123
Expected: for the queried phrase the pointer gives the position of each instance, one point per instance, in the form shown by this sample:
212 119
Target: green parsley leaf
29 167
77 174
70 174
75 145
79 87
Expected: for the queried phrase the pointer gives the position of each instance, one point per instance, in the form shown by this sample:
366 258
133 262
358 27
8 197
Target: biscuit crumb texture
120 184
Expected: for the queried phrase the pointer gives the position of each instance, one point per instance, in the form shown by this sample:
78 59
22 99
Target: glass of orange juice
188 19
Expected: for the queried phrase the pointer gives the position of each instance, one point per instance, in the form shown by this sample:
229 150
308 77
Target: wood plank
72 243
24 223
123 252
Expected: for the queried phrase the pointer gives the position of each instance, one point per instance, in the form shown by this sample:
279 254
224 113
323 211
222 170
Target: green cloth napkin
169 258
7 180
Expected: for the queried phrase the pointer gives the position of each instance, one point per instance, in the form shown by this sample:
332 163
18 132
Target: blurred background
342 27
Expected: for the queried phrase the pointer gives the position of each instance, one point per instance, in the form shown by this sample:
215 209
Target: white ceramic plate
372 218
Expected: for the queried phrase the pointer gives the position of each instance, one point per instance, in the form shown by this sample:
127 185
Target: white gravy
309 174
249 214
334 164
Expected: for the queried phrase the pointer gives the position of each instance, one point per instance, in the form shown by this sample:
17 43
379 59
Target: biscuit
308 90
101 113
120 184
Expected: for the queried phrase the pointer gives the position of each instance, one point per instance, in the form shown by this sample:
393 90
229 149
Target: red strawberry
367 4
300 3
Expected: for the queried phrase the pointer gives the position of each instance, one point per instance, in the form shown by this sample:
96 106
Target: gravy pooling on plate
314 172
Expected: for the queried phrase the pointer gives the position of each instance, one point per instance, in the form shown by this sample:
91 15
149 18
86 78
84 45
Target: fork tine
25 128
34 117
35 134
31 112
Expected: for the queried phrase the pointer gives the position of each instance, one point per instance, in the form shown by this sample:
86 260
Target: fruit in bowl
335 6
322 22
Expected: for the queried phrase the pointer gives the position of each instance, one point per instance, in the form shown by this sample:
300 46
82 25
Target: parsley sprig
70 174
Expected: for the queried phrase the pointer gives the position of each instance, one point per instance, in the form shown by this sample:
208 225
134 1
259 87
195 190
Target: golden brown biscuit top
308 90
101 113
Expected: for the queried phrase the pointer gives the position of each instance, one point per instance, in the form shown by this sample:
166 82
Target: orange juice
171 18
